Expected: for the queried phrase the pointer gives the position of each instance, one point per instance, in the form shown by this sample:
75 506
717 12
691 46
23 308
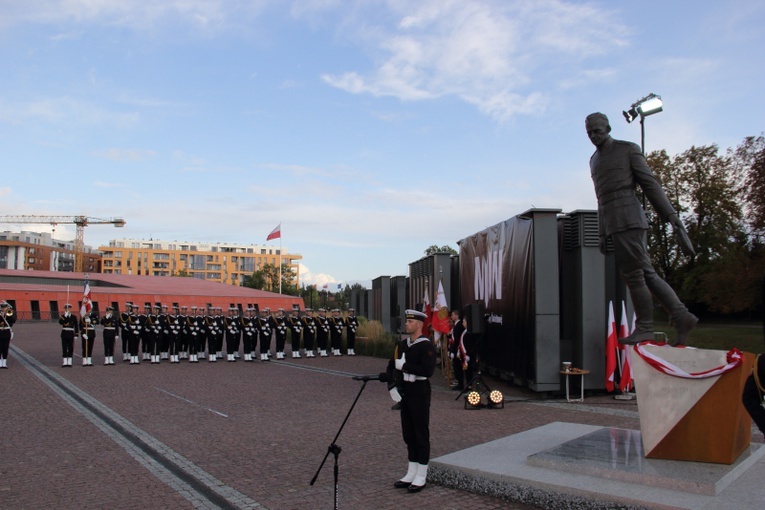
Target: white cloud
309 278
478 51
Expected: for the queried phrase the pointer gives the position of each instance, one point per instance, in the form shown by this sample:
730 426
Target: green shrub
371 340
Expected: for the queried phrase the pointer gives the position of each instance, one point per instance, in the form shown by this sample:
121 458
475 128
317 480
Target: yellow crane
80 221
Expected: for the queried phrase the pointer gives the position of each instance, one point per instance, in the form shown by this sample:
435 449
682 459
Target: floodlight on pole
642 108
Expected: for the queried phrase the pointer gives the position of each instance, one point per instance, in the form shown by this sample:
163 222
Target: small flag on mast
275 233
441 313
87 303
611 346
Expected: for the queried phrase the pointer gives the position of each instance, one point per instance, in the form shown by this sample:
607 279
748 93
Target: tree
267 278
443 249
715 195
182 273
749 160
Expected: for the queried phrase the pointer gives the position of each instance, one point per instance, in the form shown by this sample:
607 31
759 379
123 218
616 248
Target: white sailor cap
416 315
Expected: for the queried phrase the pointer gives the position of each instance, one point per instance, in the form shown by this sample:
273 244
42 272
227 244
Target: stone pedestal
700 420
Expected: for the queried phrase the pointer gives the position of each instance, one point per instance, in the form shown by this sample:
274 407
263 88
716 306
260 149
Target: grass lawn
747 337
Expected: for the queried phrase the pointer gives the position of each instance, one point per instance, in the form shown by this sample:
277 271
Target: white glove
395 395
84 336
400 362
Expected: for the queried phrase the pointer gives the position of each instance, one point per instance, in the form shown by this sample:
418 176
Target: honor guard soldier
233 333
135 329
220 332
7 319
145 340
211 321
174 325
256 336
280 331
153 333
249 333
336 324
322 332
193 327
351 325
70 326
212 333
88 331
309 332
264 332
164 335
110 322
125 330
183 346
296 328
417 365
202 332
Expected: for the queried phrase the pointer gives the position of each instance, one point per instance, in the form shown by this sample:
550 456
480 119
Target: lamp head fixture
644 107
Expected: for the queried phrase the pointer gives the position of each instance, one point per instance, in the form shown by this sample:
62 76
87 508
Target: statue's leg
683 320
642 302
631 245
633 263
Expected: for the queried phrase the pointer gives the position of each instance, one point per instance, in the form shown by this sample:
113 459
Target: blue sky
369 129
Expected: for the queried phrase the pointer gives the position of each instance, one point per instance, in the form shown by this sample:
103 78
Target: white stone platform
567 465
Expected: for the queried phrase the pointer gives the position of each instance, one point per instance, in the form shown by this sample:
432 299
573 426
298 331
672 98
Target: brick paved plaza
234 435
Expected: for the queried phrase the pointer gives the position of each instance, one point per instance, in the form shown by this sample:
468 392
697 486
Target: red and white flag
427 310
441 313
625 364
87 303
611 349
275 233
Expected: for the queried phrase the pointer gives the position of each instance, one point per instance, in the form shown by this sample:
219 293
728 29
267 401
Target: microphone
382 377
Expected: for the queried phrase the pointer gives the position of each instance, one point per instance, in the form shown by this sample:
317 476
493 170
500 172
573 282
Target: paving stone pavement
235 435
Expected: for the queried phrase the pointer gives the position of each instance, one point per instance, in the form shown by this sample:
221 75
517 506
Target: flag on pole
87 303
611 348
428 311
275 233
441 313
625 364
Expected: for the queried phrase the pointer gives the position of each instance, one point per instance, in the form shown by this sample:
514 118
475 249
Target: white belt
109 327
412 378
68 329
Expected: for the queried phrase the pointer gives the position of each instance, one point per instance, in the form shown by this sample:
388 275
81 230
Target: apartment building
39 251
218 262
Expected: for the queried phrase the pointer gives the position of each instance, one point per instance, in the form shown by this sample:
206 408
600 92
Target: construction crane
80 221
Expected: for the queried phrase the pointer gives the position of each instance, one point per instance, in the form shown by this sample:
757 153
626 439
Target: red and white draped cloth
733 359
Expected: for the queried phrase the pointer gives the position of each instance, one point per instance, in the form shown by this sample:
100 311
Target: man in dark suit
617 167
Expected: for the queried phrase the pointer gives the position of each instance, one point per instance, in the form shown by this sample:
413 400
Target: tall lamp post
642 108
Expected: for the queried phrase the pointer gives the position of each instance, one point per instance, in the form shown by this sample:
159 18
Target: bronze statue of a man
617 167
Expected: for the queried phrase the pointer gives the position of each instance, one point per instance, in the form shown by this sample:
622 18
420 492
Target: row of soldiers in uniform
191 333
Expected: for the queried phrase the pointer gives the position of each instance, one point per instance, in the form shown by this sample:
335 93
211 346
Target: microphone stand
334 449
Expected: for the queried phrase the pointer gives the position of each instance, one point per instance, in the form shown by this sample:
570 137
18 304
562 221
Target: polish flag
625 364
441 313
87 303
611 342
427 310
275 233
